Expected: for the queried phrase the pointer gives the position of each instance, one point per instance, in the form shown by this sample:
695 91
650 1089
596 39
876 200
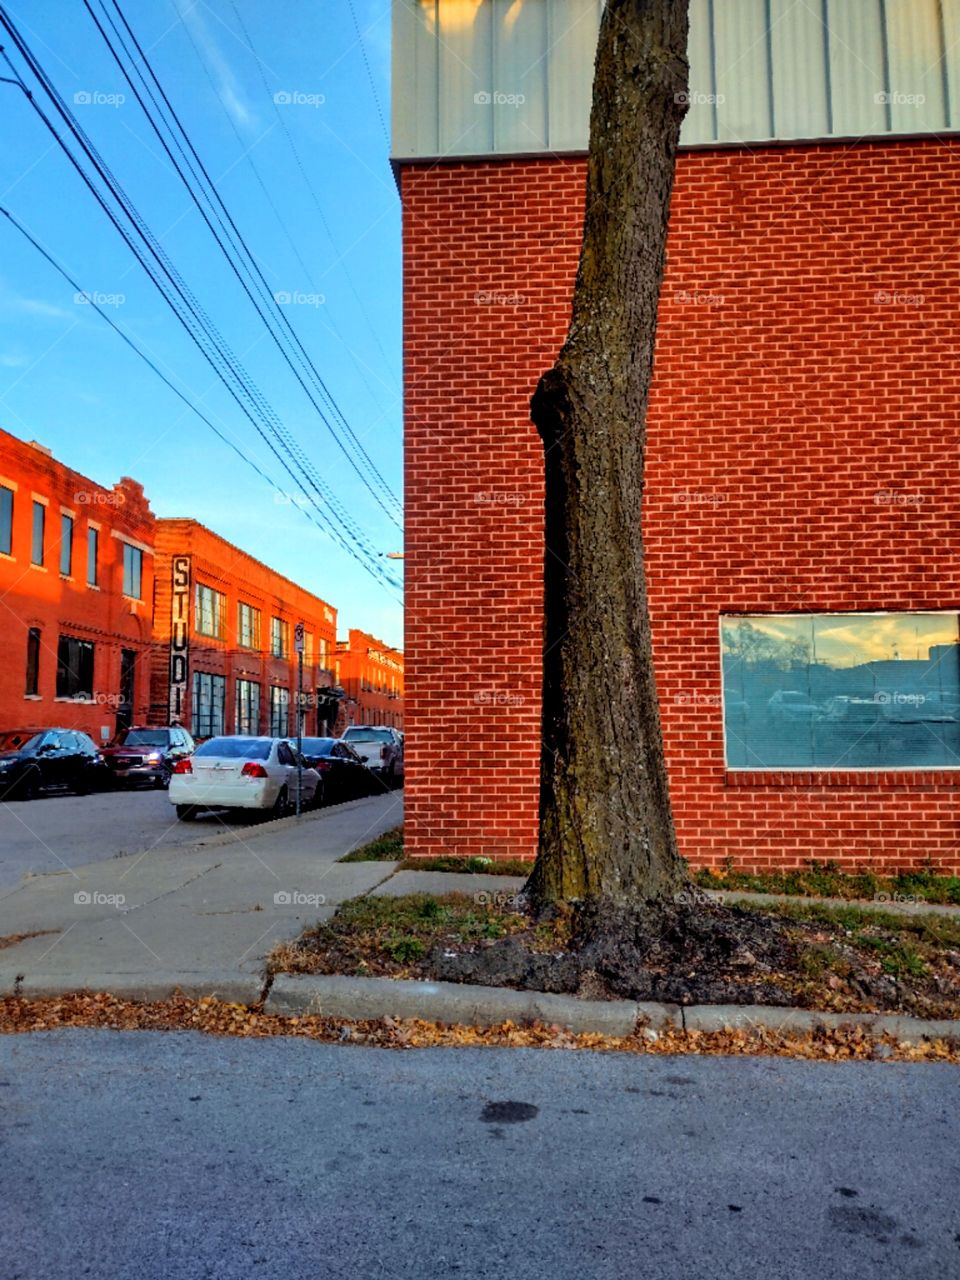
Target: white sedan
240 773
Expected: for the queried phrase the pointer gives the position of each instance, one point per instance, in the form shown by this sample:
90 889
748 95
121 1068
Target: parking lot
57 832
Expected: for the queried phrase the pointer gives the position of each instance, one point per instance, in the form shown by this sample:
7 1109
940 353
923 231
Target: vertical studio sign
179 633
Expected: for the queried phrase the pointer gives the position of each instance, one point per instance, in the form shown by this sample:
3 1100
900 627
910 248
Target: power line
365 371
198 326
231 444
370 79
362 463
307 183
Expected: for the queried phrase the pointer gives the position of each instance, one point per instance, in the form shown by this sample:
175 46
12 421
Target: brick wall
806 363
371 675
238 576
58 603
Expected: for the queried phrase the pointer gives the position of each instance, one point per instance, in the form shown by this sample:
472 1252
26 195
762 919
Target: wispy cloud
228 86
16 304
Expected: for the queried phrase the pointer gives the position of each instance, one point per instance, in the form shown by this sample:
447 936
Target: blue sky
67 380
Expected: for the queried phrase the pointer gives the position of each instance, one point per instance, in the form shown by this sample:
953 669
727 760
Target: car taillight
383 753
253 770
323 765
183 766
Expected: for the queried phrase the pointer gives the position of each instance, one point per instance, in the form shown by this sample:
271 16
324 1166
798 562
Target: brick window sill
854 778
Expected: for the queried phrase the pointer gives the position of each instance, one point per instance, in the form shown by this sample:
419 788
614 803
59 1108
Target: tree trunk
606 829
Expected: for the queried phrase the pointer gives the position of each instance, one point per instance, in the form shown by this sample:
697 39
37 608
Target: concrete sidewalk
215 908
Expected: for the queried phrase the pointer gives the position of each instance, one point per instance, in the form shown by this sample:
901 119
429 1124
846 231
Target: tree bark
606 828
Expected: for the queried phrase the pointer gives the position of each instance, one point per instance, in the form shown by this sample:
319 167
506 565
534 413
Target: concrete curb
451 1003
716 1017
234 988
337 996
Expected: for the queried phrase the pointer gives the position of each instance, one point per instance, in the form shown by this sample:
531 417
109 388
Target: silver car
381 749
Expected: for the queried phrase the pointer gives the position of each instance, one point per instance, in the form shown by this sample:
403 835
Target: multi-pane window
210 611
6 520
132 571
66 543
93 555
37 536
248 707
248 626
209 700
841 691
33 663
323 651
308 648
74 668
279 711
279 638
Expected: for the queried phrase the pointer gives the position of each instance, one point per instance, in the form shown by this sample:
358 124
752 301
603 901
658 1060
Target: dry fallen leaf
216 1017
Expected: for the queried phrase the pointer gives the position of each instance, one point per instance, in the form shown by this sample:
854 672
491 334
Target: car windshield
236 748
20 740
316 746
143 738
367 735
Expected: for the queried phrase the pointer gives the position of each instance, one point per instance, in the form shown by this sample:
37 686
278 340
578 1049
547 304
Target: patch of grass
822 959
404 950
933 930
394 936
478 866
896 958
386 848
905 947
826 880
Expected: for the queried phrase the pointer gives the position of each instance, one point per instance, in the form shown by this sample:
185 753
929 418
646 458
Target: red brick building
801 498
371 675
225 626
76 585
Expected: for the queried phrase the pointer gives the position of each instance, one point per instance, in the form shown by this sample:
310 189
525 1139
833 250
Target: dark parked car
35 760
343 774
144 754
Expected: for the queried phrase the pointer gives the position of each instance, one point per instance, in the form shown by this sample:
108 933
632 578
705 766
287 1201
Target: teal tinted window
132 571
39 522
6 520
841 691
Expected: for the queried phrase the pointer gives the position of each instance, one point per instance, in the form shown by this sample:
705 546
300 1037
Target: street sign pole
298 643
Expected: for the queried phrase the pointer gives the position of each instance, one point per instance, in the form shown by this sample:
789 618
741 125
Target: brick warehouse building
371 675
225 659
801 498
76 584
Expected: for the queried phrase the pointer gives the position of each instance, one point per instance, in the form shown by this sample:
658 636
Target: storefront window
207 711
248 707
841 691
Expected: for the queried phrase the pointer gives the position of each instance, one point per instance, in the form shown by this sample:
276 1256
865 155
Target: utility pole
298 645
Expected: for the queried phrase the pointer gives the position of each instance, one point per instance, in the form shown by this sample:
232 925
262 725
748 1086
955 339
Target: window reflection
841 691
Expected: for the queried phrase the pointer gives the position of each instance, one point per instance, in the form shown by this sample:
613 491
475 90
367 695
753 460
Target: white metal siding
489 77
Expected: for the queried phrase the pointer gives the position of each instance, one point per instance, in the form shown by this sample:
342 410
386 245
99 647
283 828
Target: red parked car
145 754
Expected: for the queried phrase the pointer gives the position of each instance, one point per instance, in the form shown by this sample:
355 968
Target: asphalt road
60 831
175 1156
57 832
